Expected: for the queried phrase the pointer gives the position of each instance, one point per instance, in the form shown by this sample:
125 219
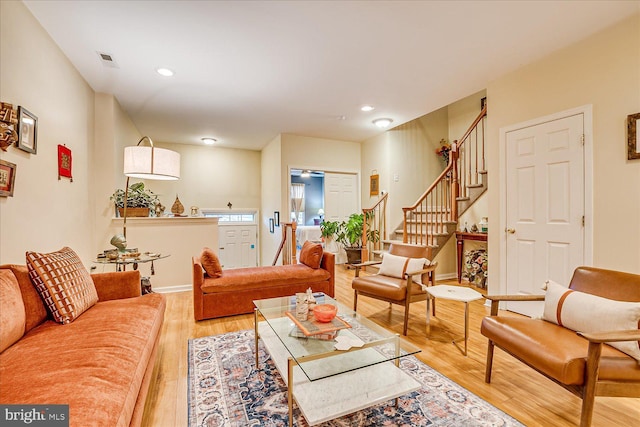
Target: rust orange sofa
100 364
233 293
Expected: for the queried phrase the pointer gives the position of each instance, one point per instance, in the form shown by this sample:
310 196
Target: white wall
45 213
271 199
604 71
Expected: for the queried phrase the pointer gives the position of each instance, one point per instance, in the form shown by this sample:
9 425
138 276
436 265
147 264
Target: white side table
454 293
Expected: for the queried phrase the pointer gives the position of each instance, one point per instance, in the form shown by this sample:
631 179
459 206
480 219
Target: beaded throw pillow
64 284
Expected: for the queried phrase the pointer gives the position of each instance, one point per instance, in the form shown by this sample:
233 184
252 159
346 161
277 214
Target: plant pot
353 255
134 212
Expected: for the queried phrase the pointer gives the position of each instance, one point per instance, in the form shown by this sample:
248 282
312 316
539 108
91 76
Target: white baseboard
170 289
446 276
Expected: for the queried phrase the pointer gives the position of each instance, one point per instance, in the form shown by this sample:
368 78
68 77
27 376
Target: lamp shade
151 163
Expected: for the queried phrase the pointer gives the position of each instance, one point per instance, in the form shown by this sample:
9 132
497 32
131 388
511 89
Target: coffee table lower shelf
332 397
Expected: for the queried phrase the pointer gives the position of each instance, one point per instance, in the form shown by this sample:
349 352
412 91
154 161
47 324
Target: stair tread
484 172
475 185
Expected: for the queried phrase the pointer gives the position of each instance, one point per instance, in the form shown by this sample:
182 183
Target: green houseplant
139 200
349 234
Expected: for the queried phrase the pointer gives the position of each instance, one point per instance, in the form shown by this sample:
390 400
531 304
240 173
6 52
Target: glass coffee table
327 383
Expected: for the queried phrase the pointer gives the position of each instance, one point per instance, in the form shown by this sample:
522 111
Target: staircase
433 218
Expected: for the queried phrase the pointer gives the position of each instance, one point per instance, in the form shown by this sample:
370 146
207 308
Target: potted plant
349 234
139 200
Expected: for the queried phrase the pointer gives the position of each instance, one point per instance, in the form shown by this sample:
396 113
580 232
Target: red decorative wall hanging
64 162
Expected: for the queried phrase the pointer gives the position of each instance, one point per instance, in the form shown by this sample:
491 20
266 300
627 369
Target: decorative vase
177 208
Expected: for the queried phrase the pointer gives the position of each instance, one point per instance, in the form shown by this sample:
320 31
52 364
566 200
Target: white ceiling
246 71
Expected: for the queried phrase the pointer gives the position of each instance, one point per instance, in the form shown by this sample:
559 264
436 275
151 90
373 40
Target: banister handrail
378 203
377 214
437 207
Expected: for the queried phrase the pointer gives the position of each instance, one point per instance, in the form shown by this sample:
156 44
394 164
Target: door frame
587 112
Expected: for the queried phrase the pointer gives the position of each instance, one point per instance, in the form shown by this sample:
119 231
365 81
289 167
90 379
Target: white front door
238 245
545 200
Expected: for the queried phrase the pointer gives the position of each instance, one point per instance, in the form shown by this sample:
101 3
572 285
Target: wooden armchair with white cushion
403 271
588 340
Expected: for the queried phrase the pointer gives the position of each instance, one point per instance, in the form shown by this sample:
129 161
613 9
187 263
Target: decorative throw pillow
311 254
583 312
210 263
398 266
64 284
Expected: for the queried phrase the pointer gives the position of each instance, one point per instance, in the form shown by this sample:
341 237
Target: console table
461 236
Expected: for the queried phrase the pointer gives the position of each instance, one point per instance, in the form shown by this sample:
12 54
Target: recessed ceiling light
382 123
367 108
165 72
209 141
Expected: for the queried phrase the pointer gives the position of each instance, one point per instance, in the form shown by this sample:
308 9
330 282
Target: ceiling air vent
107 60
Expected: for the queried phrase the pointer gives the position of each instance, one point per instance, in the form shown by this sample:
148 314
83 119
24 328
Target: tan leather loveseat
100 364
234 292
578 361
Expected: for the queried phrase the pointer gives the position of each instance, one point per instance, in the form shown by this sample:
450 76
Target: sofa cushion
12 315
63 283
556 351
96 364
583 312
210 263
397 266
311 254
260 277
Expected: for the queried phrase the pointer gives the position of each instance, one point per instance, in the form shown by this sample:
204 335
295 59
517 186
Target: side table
123 262
454 293
461 236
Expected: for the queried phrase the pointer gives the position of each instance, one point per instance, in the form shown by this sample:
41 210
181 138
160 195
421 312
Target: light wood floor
515 388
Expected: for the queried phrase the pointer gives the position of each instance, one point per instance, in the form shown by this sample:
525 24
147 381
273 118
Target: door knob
510 230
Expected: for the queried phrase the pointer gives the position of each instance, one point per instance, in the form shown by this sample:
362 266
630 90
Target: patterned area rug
225 390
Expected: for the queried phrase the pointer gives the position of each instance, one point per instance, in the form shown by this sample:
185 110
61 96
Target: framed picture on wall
64 162
27 131
374 184
276 218
271 229
633 136
7 178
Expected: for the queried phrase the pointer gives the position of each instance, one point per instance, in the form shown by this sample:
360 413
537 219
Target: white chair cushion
583 312
397 266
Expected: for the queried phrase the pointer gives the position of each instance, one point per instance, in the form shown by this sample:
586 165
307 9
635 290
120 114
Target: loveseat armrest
611 336
117 285
496 299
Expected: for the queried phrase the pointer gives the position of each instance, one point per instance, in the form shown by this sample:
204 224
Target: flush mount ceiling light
382 123
209 141
367 108
164 72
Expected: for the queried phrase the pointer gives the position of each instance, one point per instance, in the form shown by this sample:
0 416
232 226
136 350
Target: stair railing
287 245
437 207
375 218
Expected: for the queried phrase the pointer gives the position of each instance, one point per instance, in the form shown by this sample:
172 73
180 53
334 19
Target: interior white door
340 196
545 195
237 244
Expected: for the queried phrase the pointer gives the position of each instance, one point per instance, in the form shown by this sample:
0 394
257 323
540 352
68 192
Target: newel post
455 186
405 235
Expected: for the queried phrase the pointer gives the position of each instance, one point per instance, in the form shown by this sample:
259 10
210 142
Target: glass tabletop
137 260
316 354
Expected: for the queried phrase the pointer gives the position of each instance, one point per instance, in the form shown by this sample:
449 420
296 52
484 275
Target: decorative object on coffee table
177 208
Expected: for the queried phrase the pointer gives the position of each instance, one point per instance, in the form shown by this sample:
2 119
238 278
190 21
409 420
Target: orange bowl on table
325 312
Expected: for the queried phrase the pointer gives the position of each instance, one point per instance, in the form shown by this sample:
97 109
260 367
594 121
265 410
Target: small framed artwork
374 184
633 136
271 229
7 178
276 218
64 162
27 131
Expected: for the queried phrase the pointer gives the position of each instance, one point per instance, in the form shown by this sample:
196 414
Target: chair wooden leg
406 318
487 373
355 300
589 390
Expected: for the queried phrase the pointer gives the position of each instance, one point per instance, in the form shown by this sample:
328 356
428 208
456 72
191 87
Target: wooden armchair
578 361
401 289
